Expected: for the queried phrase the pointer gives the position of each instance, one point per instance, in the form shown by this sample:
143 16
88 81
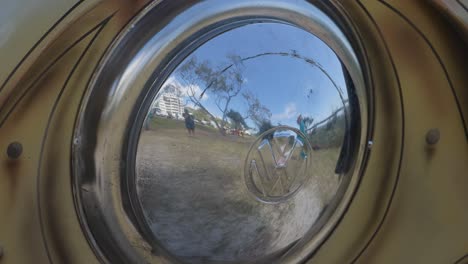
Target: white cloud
186 90
289 112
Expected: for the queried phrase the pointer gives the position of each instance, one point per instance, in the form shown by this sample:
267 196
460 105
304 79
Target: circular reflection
243 146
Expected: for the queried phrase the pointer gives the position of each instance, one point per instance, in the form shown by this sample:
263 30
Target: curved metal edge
456 12
104 189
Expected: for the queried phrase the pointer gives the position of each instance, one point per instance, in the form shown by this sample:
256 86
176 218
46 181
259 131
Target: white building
168 103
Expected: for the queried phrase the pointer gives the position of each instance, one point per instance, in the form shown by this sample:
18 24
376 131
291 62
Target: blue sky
281 83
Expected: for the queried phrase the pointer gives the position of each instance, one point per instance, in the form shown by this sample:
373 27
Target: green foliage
330 134
224 85
236 119
257 112
265 125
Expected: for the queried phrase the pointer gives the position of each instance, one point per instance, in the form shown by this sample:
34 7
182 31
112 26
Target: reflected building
170 103
254 182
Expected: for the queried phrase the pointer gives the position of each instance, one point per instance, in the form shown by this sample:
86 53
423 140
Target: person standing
189 123
302 127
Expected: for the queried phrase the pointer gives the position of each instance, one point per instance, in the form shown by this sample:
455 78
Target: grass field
196 202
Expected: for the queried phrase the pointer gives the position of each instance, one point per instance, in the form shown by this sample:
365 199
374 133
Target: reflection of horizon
168 103
332 115
192 189
185 192
202 94
211 69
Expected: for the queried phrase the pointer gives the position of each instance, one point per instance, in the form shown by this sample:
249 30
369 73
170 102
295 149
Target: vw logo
277 164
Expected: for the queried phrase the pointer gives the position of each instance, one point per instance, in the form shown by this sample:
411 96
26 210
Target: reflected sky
217 178
286 85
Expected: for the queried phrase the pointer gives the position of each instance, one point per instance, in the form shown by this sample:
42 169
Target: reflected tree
265 125
256 111
237 120
329 133
224 85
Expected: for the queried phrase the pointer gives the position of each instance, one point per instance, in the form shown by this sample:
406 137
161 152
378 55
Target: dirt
194 196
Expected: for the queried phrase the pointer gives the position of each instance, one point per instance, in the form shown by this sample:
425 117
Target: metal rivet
14 150
370 143
432 136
